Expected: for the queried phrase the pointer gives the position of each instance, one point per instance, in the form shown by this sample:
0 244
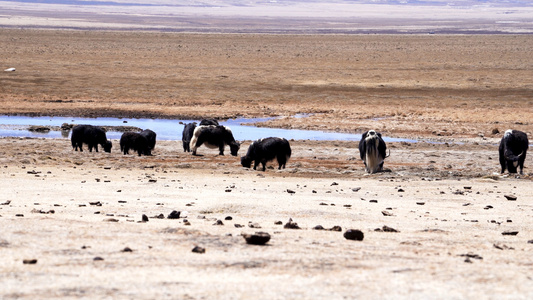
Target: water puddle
243 129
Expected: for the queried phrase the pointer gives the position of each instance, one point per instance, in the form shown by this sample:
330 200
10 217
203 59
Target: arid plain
79 214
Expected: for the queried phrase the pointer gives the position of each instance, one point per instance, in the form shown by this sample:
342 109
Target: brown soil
447 200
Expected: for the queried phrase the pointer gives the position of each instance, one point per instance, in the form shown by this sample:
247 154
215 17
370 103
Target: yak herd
372 148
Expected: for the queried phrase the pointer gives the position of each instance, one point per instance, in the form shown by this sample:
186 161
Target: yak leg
221 149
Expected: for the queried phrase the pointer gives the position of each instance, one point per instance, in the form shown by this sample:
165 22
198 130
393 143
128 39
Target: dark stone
238 225
387 213
218 223
228 218
291 225
488 207
98 258
354 234
258 238
510 197
318 227
198 249
290 191
174 214
386 228
278 223
508 232
29 261
127 249
335 228
145 218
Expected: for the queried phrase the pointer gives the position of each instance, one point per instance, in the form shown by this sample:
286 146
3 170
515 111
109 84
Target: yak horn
388 155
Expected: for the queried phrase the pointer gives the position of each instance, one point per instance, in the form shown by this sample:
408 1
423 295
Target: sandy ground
79 214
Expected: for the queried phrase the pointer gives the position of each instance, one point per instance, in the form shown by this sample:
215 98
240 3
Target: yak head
107 146
234 147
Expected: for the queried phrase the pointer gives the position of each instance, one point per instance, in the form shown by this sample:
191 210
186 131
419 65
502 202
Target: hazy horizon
273 16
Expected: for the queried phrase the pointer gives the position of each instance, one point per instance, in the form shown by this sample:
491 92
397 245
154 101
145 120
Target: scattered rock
319 227
127 249
145 218
238 225
111 220
357 189
228 218
420 203
354 234
258 238
508 232
253 225
488 207
29 261
198 249
97 203
387 213
290 191
471 255
335 228
6 203
373 201
97 258
502 247
174 215
386 228
278 223
218 223
530 242
291 225
511 197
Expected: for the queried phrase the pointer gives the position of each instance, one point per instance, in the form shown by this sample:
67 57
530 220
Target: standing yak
136 142
150 136
373 150
186 136
265 150
214 137
90 135
513 149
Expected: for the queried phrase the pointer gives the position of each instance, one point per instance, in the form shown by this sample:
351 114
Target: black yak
186 136
150 136
136 142
267 149
513 149
90 135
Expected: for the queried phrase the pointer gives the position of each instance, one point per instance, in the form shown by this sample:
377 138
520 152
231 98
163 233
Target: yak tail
387 155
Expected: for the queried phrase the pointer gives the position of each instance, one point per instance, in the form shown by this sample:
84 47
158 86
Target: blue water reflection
170 129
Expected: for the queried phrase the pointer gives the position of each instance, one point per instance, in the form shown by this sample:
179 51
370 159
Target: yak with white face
513 149
373 150
214 137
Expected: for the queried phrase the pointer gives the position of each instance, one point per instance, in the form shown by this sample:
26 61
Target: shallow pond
242 129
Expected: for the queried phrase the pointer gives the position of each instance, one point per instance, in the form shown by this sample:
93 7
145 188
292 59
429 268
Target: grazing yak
150 136
513 149
373 150
136 142
214 137
90 135
265 150
186 137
